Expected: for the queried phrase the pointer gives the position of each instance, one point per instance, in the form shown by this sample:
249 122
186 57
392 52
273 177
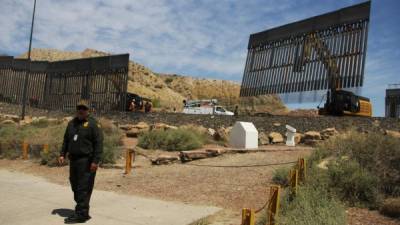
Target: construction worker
147 107
83 144
236 111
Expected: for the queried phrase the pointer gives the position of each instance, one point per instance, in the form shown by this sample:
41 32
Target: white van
213 110
205 107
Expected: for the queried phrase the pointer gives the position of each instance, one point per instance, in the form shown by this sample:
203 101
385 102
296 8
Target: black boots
76 219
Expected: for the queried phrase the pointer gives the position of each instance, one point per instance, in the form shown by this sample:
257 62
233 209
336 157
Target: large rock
275 137
163 126
165 159
134 132
186 156
392 133
53 121
328 132
276 124
14 118
211 132
263 138
298 137
312 135
8 122
312 138
142 126
126 127
222 134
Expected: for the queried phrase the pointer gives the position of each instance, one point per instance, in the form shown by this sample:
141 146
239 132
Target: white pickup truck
213 110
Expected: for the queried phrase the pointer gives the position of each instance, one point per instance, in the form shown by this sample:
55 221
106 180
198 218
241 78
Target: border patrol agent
83 143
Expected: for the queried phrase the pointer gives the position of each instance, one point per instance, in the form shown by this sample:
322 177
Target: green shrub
317 155
171 140
391 207
112 142
353 184
156 102
168 80
12 137
111 148
312 205
280 176
377 153
40 123
51 157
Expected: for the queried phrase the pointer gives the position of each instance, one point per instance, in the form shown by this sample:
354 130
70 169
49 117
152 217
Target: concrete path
26 199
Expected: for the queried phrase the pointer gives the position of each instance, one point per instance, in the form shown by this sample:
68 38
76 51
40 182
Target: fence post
273 205
248 217
294 180
46 148
302 169
129 158
25 149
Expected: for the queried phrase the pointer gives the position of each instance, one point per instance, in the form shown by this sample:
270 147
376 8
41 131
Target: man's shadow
63 212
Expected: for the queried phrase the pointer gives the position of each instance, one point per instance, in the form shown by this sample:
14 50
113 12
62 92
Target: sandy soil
228 188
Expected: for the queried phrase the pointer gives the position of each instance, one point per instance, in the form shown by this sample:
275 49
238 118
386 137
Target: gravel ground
263 123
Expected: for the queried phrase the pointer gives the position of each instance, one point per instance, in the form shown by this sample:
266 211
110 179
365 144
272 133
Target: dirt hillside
169 90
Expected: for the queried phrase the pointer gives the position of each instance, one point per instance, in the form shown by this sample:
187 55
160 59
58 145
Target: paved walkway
26 199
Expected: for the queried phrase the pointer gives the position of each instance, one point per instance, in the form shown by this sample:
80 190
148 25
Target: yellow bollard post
302 169
127 162
273 205
25 147
46 148
248 217
294 180
129 158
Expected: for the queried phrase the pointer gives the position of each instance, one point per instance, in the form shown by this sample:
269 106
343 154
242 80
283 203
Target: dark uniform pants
82 181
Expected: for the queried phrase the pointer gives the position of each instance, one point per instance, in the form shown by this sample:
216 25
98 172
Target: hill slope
171 90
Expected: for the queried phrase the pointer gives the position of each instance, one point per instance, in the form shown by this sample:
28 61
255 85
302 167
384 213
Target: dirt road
27 199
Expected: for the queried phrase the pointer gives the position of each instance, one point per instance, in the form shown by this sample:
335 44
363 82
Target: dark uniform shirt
83 138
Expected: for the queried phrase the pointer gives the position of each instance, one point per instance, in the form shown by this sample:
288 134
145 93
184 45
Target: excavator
338 102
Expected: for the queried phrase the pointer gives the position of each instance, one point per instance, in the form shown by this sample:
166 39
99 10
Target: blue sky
203 38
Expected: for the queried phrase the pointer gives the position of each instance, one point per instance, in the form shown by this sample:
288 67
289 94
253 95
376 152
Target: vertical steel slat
353 57
348 77
364 50
245 81
265 70
276 67
257 71
262 70
347 61
359 55
279 69
287 66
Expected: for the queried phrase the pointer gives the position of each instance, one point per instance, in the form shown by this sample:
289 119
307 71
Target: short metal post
248 217
273 205
46 148
25 147
302 166
294 180
129 156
